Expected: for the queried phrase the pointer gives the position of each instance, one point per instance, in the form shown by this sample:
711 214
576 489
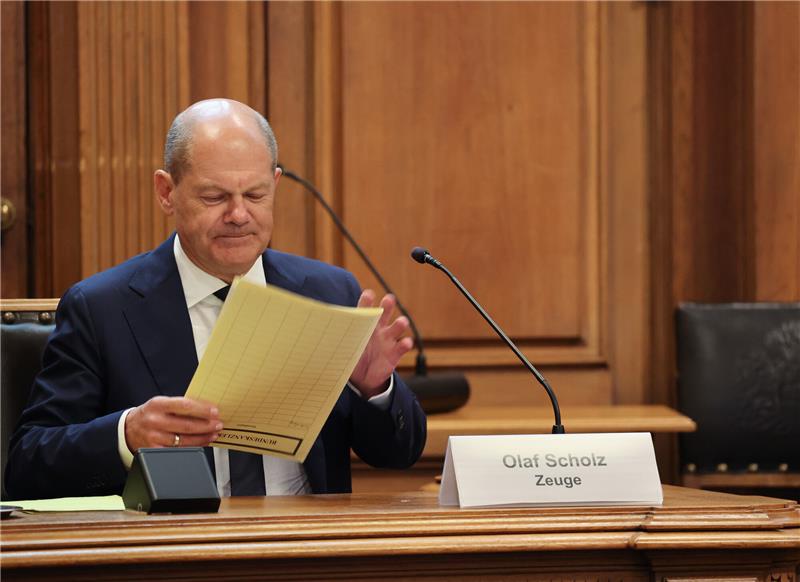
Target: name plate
556 469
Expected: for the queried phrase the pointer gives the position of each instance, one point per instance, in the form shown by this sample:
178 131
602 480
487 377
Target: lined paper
275 365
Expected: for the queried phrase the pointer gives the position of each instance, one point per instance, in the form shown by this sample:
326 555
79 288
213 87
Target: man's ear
164 187
277 175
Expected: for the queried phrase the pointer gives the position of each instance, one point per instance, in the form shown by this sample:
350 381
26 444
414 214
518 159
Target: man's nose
237 212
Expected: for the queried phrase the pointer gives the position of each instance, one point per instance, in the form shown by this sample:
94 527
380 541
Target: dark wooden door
15 245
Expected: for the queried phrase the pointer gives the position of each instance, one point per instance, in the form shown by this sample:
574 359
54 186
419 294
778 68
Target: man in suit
127 340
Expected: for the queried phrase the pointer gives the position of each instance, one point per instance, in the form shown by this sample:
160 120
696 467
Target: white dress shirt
282 476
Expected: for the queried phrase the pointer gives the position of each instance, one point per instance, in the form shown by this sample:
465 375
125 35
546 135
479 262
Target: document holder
171 480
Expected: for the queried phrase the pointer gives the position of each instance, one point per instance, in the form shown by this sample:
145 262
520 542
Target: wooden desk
714 536
656 419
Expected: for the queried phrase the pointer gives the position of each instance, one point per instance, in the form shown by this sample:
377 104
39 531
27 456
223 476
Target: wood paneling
108 80
661 380
653 178
55 152
509 138
776 145
227 51
14 173
724 159
479 141
507 385
733 128
724 125
624 177
290 113
326 124
133 59
581 167
710 144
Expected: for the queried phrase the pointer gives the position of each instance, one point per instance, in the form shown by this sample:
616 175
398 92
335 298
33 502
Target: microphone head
419 254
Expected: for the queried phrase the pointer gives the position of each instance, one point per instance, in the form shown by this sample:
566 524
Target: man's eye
213 199
255 195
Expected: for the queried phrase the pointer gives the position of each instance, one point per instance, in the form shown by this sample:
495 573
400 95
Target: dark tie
247 469
222 294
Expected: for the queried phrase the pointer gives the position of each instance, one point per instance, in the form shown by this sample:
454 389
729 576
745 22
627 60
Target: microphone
440 392
422 256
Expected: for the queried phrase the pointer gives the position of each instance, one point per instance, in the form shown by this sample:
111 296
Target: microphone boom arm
417 254
421 367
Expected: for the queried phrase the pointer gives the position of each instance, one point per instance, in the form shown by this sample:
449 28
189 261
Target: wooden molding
776 151
539 420
327 132
741 480
28 304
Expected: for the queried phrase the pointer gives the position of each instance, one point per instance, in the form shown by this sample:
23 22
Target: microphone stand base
439 392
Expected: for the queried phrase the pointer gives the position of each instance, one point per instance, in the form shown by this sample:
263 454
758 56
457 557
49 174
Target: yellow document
106 503
276 364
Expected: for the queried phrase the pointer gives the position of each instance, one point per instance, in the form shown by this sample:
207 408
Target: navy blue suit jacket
124 335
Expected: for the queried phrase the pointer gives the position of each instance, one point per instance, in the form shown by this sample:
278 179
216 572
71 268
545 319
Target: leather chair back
739 379
24 329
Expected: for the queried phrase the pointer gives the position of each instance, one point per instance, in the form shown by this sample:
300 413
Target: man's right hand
157 422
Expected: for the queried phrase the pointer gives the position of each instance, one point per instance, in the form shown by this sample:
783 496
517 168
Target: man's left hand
384 349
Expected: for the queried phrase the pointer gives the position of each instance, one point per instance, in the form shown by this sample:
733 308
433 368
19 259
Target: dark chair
26 325
739 379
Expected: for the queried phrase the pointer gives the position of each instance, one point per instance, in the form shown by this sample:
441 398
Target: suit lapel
282 273
160 322
159 319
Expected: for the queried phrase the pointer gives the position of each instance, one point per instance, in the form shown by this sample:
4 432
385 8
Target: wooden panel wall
734 135
712 137
290 111
724 160
133 60
109 79
724 147
13 282
482 144
418 116
53 147
582 167
487 132
776 151
227 51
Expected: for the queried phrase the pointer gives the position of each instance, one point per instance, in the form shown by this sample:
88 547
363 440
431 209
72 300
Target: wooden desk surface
529 419
323 534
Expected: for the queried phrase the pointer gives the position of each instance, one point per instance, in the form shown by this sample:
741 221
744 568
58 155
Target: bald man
127 340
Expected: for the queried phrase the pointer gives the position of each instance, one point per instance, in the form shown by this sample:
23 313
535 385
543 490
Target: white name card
556 469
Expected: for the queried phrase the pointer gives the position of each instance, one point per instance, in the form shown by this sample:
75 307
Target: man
127 340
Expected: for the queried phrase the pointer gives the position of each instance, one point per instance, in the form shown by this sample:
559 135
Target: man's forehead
245 183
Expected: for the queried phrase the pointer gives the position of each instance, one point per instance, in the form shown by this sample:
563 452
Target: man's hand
157 422
384 350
